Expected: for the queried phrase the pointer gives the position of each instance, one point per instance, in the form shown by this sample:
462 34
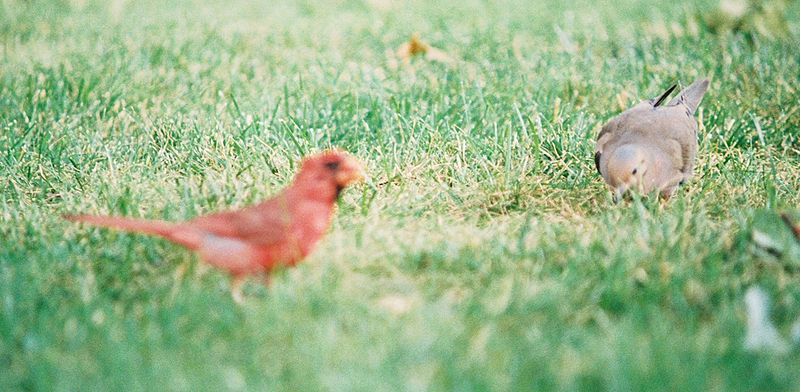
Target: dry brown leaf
413 47
416 46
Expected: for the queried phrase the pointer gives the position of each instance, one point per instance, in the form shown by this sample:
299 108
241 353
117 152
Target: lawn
484 252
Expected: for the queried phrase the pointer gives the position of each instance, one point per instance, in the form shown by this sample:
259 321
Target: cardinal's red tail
156 227
174 232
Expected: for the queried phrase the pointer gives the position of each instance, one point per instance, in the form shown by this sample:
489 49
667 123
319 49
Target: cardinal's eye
332 165
634 171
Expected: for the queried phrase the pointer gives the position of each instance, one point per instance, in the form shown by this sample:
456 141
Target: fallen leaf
413 47
416 46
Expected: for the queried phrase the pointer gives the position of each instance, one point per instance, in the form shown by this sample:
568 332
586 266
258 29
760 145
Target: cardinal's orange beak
349 172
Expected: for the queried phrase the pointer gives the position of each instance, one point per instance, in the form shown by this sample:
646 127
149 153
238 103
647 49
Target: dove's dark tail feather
664 96
692 95
174 232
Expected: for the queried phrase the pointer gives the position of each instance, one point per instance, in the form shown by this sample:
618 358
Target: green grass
486 255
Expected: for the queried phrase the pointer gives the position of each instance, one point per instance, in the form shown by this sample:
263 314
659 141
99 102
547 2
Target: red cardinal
278 232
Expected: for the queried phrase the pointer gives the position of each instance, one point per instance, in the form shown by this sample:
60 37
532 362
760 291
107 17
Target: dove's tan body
651 147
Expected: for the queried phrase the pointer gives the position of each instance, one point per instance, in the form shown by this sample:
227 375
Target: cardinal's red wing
264 224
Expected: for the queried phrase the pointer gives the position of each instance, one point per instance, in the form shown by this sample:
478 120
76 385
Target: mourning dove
651 146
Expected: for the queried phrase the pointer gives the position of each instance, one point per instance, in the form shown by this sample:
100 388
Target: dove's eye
634 171
332 165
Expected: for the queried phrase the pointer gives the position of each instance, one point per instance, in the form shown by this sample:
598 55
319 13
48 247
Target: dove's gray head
626 168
